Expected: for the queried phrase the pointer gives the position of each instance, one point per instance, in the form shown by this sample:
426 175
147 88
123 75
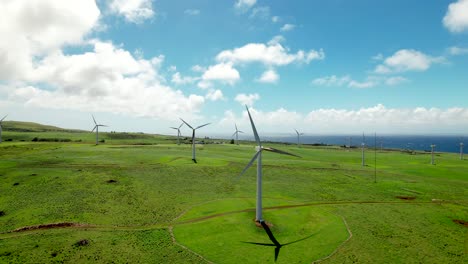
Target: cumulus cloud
244 5
275 19
269 76
214 95
35 28
271 54
407 60
134 11
287 27
178 79
341 121
395 80
107 79
456 18
247 99
332 80
222 72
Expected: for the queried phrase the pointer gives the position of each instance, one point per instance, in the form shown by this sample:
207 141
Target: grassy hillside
128 202
19 126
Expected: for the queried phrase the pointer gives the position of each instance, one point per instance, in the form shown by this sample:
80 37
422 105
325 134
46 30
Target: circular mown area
222 239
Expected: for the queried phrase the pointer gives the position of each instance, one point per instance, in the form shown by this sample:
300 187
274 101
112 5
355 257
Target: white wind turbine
1 128
193 138
237 134
298 139
432 153
258 156
363 145
461 149
178 133
96 126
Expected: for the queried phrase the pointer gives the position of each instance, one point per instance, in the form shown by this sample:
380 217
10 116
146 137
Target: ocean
415 142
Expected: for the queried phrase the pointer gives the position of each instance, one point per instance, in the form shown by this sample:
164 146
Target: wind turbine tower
298 138
363 145
1 128
178 133
432 153
258 156
193 138
237 134
96 126
461 150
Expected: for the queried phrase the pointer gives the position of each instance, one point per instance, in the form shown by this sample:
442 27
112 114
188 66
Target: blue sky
319 66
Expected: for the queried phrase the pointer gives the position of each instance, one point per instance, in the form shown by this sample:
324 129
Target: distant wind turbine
363 145
178 133
461 149
298 139
1 128
258 157
237 134
96 126
193 138
432 153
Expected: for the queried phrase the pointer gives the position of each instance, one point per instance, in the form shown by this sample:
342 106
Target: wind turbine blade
240 131
174 128
103 125
297 132
270 234
186 123
261 244
94 128
299 240
3 118
257 138
181 125
94 120
280 151
236 126
234 134
250 163
202 125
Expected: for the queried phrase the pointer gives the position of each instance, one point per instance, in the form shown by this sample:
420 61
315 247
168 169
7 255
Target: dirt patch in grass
111 181
16 184
82 242
460 222
402 197
2 213
48 226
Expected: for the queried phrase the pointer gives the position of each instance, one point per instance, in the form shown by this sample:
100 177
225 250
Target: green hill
19 126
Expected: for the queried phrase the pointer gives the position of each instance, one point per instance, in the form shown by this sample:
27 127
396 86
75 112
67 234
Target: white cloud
198 68
365 84
395 80
275 19
378 57
244 5
456 18
135 11
272 54
178 79
332 80
31 29
223 72
342 121
457 50
214 95
407 60
192 12
276 40
269 76
247 99
287 27
262 12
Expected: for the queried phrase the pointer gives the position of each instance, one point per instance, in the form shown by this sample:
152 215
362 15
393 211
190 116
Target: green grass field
138 198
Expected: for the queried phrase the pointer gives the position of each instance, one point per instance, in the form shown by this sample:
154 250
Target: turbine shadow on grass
275 242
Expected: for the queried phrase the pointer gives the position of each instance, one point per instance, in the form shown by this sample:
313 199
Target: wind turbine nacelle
258 148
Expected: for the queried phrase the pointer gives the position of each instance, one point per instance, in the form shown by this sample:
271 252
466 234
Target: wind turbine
193 138
298 135
275 242
461 149
237 134
178 133
97 129
1 128
258 156
363 144
432 153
